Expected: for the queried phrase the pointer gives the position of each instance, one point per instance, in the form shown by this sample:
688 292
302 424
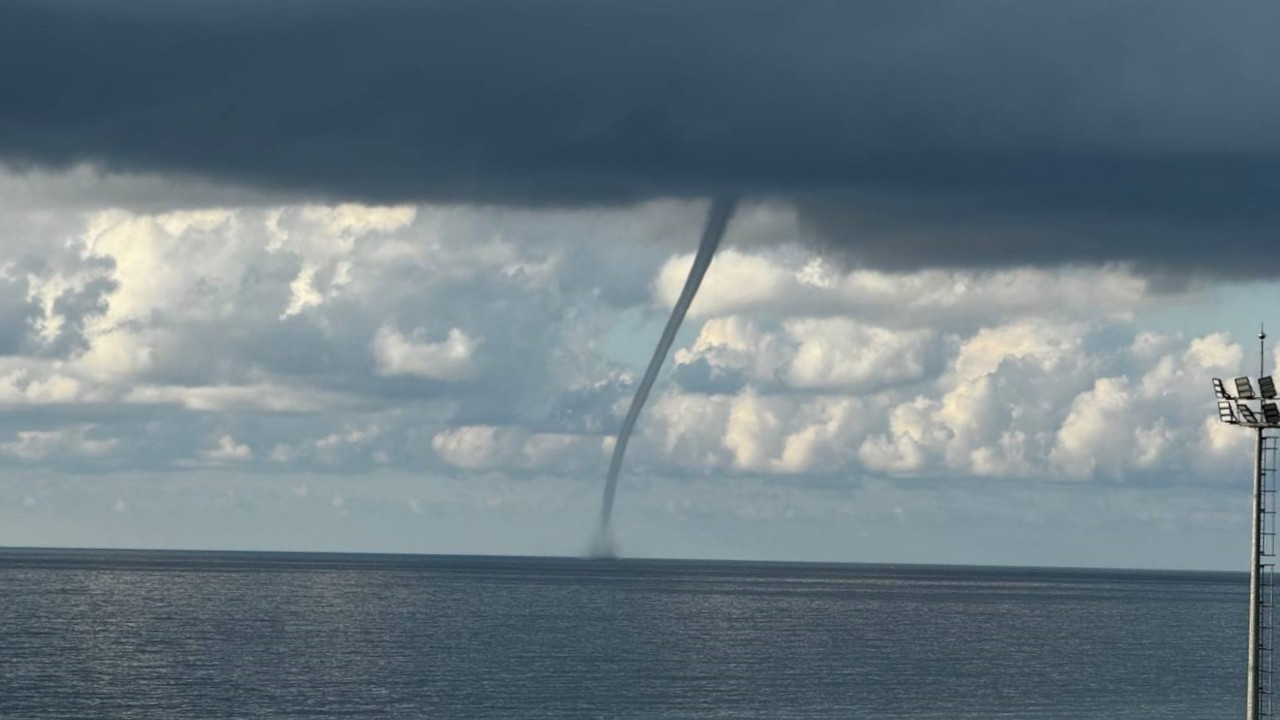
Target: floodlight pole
1238 410
1252 703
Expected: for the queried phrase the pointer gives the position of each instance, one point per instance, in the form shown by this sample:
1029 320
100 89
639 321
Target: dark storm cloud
963 132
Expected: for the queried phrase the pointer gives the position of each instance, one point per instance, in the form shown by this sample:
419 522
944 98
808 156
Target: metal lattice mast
1261 666
1266 602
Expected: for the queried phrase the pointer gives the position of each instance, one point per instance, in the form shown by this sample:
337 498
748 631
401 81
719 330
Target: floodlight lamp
1220 391
1267 386
1244 388
1246 414
1270 413
1225 413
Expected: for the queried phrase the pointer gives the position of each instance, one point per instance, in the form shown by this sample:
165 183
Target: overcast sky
381 276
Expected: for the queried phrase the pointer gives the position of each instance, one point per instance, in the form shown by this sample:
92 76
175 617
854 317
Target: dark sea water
110 634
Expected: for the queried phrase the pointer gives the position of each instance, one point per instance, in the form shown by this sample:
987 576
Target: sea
210 635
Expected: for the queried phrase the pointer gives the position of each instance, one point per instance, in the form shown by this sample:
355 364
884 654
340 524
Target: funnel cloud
717 220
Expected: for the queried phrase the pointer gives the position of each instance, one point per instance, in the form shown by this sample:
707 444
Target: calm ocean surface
111 634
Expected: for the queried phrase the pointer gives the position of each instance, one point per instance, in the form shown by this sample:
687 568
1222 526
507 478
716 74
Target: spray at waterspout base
602 546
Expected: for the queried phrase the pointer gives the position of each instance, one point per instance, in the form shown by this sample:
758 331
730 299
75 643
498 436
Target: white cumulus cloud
449 359
228 450
36 445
